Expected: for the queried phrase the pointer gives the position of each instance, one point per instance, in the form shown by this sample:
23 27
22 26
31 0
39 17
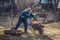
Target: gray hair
28 9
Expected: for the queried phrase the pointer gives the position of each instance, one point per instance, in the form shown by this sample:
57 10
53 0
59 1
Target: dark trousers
24 21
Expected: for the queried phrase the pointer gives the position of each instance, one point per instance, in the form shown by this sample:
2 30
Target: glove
35 19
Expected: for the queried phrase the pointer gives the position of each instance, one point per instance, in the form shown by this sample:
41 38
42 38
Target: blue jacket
24 15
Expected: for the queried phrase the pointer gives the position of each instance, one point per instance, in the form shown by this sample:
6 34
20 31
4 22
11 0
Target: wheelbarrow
36 25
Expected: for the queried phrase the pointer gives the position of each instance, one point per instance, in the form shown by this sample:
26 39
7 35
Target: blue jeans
20 20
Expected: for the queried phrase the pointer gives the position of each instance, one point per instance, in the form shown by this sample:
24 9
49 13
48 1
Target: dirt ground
51 32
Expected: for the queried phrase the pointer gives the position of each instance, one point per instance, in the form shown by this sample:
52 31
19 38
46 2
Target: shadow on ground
26 37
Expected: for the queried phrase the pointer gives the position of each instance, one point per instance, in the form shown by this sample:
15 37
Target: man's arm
32 15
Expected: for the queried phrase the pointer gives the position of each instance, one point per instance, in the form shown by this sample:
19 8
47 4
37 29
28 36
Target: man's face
28 11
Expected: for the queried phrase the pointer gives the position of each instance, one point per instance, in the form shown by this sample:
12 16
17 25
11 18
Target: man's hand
33 19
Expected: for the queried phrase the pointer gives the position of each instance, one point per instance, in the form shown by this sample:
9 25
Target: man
27 13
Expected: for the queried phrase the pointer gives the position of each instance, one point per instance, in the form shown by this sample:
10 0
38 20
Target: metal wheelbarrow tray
37 26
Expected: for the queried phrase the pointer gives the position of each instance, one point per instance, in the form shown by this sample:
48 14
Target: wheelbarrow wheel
41 31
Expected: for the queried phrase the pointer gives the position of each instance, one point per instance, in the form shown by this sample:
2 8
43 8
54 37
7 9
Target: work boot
13 28
25 32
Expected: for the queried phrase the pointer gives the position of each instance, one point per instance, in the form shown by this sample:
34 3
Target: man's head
28 9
